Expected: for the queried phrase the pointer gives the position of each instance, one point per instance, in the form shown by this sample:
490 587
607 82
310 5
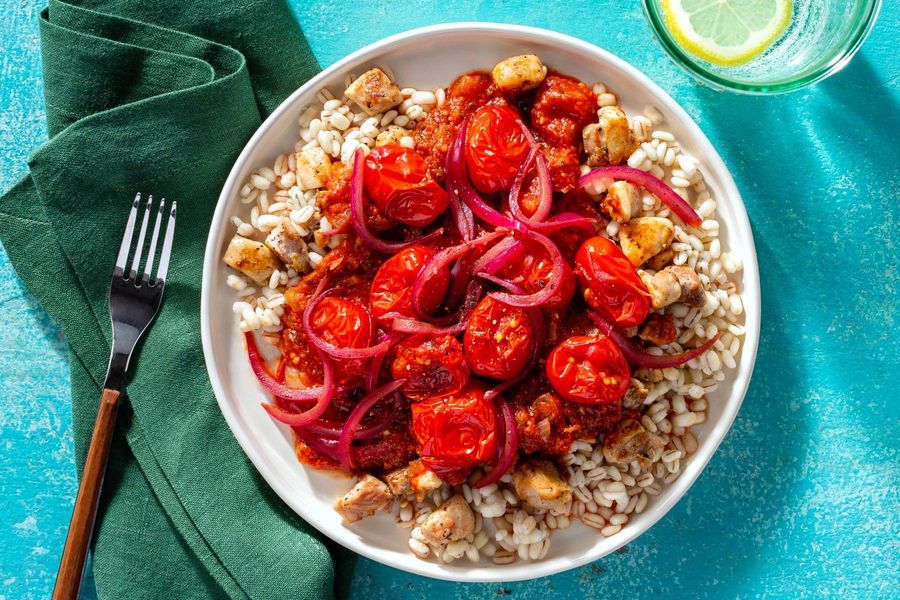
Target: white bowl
426 58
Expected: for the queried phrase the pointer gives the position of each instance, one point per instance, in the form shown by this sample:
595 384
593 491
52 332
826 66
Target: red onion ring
655 186
458 184
506 285
638 356
330 430
318 409
543 209
510 448
327 347
441 260
564 221
274 387
358 214
356 416
324 446
374 371
498 256
555 278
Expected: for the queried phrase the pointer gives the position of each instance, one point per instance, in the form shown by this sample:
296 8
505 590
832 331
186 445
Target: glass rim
864 20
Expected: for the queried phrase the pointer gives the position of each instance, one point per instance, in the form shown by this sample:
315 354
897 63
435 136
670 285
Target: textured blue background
801 499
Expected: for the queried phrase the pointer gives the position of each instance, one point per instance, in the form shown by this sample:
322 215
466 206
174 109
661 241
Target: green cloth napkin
159 96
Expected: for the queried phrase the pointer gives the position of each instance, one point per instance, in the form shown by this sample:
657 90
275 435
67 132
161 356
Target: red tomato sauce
444 417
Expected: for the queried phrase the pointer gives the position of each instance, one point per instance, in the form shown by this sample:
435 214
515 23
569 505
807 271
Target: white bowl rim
517 571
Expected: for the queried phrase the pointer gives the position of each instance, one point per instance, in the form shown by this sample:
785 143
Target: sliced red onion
374 371
498 256
510 448
638 356
442 260
515 193
458 183
324 446
554 279
331 430
655 186
273 386
506 285
318 409
358 214
356 416
327 347
566 220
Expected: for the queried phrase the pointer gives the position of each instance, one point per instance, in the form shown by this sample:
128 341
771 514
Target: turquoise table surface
801 500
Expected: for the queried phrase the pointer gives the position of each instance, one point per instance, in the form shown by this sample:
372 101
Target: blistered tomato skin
499 339
392 287
457 432
346 324
431 366
496 147
398 181
589 370
610 283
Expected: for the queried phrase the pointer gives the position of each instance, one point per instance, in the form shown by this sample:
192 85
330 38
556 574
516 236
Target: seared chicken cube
366 498
538 484
413 479
374 92
610 141
692 292
664 288
452 521
622 202
287 243
661 260
629 441
313 166
253 259
391 135
658 330
645 237
636 394
518 74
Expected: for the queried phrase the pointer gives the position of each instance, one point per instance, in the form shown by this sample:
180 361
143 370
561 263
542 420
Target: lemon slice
727 32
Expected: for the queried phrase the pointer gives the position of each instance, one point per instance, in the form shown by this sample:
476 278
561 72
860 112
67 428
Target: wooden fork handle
71 567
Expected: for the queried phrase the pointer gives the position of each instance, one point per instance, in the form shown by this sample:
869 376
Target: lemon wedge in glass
727 32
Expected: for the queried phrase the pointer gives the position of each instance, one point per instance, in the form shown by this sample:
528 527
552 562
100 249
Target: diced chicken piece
413 479
649 375
287 243
636 394
610 140
629 441
374 92
622 202
661 260
313 166
538 483
645 237
366 498
518 74
658 330
692 292
664 289
452 521
391 135
251 258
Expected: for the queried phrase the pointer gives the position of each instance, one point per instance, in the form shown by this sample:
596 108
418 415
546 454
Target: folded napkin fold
159 96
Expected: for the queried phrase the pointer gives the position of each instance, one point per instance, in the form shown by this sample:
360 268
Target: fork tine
122 259
151 254
136 263
163 269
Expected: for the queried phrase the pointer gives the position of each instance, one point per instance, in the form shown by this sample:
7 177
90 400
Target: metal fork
134 300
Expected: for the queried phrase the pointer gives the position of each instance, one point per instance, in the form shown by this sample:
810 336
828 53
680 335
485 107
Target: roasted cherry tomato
562 107
456 432
398 181
346 324
532 271
495 147
610 283
590 370
392 287
431 365
499 339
